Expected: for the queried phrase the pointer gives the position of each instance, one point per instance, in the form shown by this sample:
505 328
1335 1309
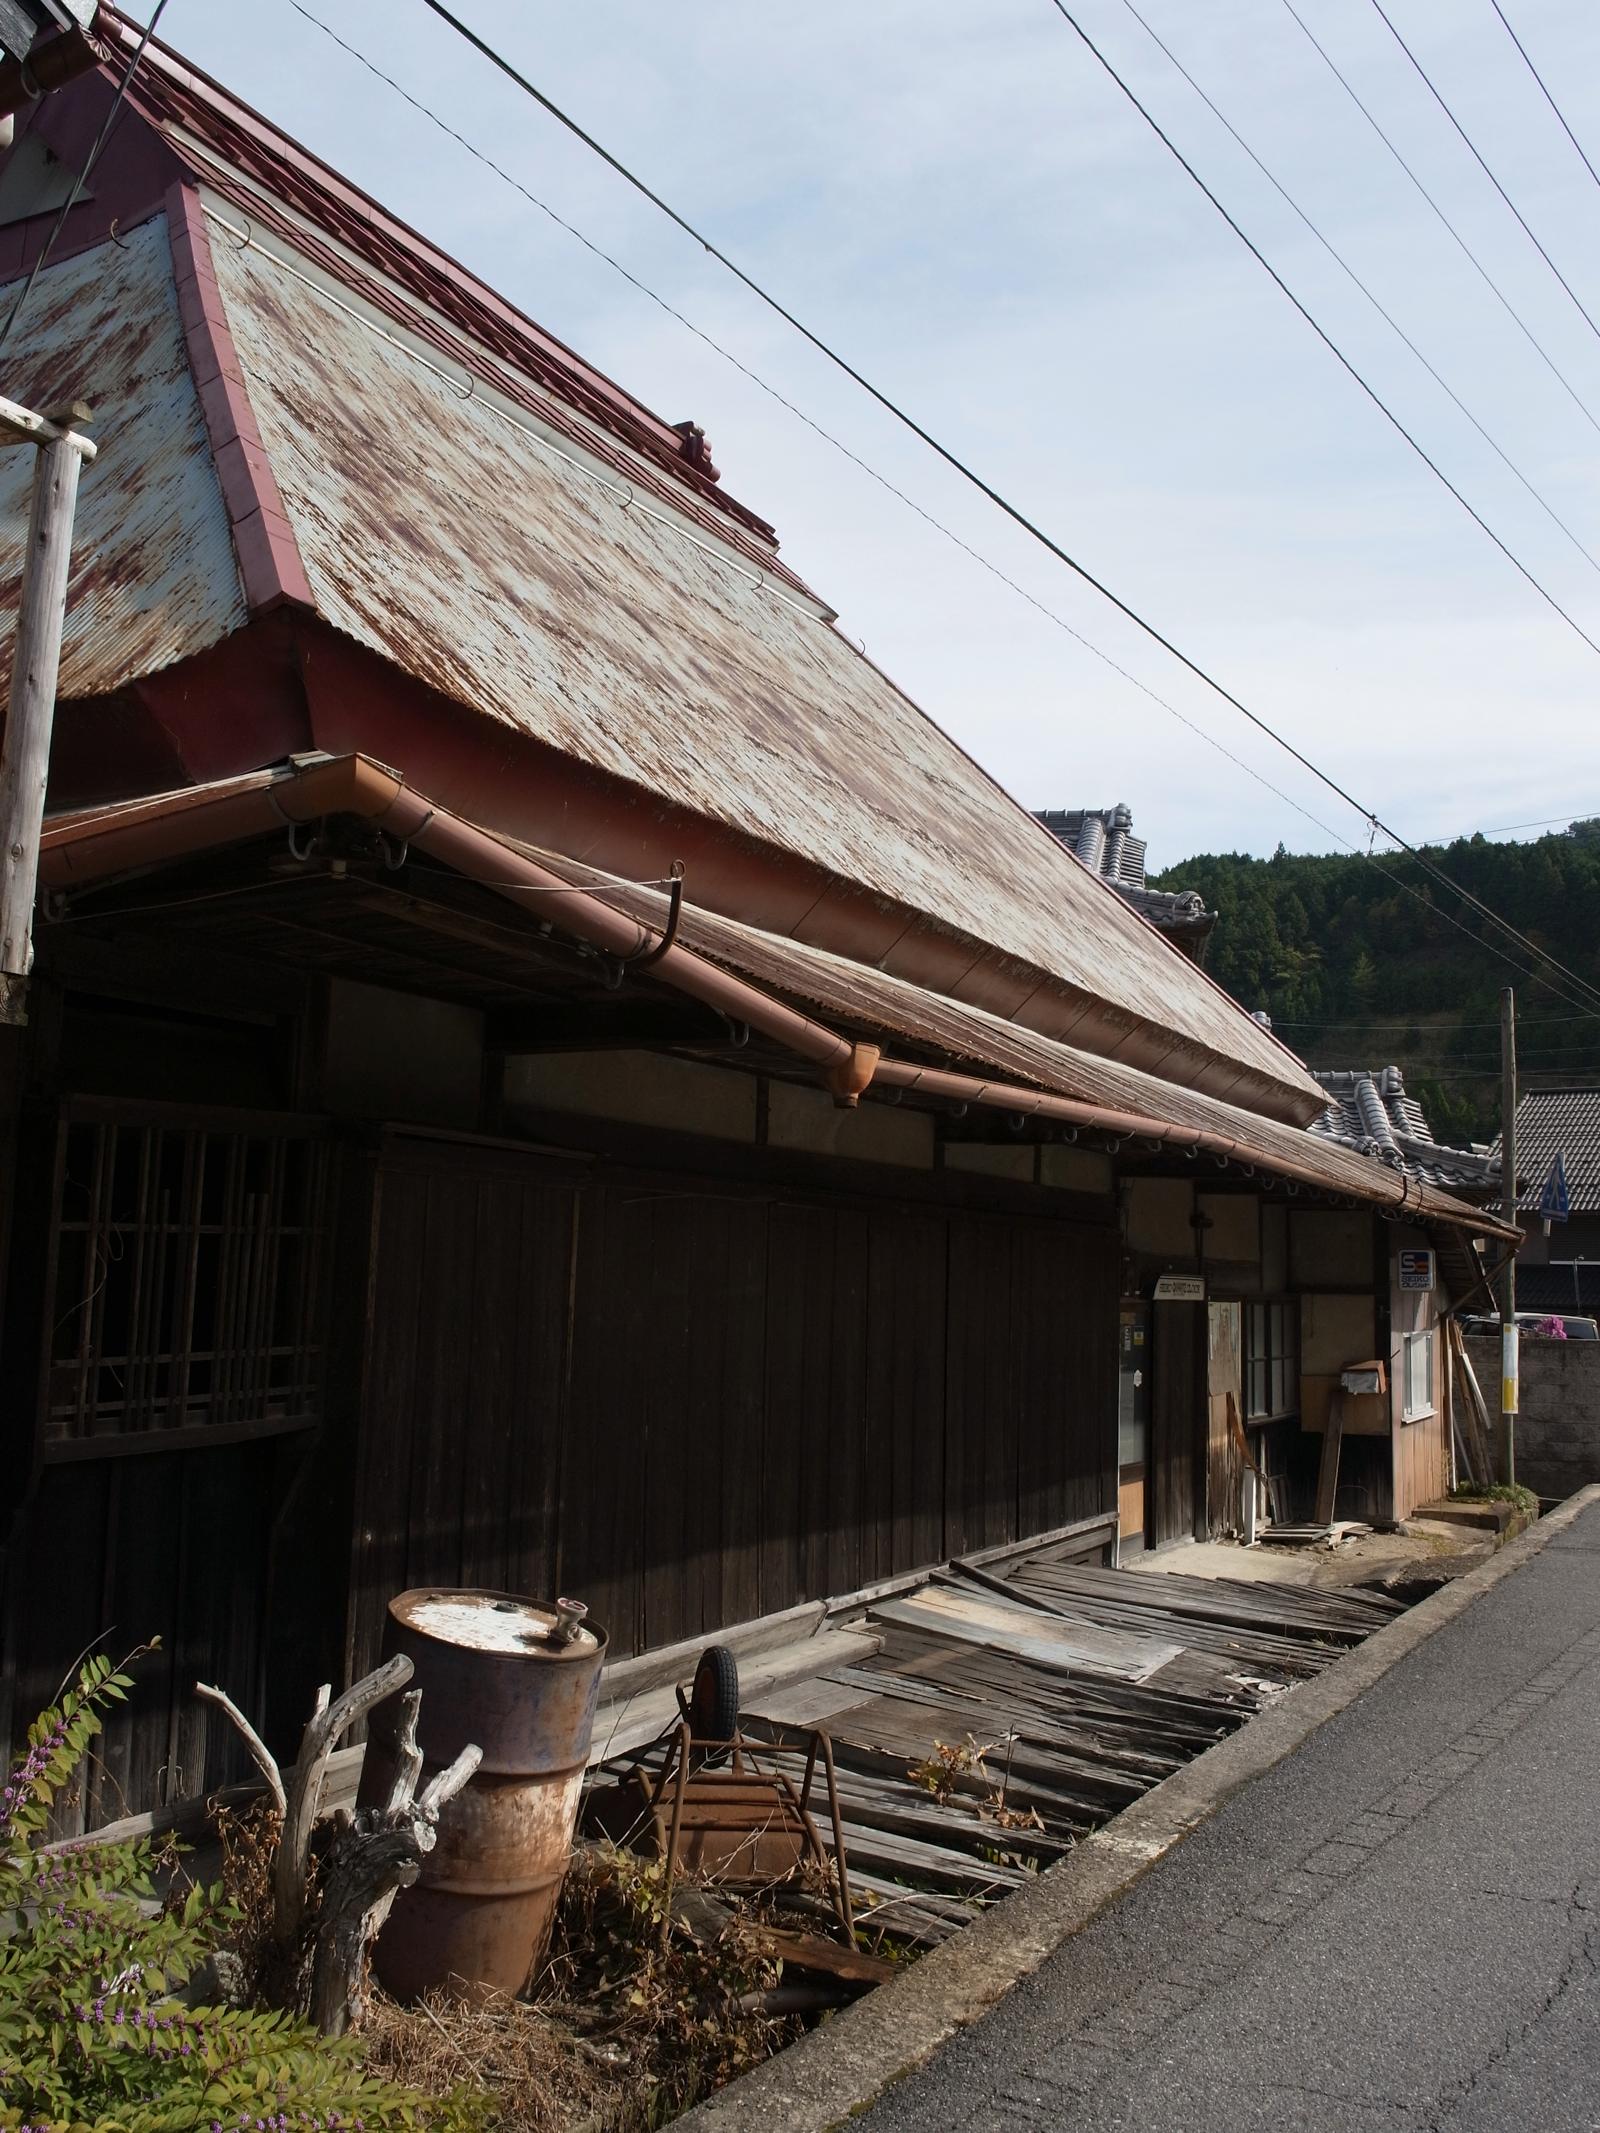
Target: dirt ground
1435 1548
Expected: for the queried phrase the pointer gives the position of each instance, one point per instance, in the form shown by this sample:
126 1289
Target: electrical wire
995 496
864 466
1049 613
1344 265
1376 1028
1504 829
1317 328
426 111
1487 278
1478 158
1545 93
84 175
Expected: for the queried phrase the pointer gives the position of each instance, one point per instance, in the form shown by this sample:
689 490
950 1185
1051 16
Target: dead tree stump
377 1851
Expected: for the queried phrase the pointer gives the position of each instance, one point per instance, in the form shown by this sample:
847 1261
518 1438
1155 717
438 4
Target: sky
958 198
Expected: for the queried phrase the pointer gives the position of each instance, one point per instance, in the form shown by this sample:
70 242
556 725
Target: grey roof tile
1371 1112
1102 837
1564 1122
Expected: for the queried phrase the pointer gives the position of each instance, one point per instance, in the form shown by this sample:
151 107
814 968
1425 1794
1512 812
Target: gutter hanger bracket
669 933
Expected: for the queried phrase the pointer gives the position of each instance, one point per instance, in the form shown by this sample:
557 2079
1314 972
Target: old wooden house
544 1069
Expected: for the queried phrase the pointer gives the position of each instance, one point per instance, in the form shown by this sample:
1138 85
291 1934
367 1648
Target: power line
1494 918
82 179
1477 156
1000 501
1031 527
1504 829
1418 1023
1483 272
1544 91
883 482
1340 261
718 348
1317 328
935 523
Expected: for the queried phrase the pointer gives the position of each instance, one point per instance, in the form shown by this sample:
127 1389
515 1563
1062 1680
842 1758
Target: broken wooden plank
993 1622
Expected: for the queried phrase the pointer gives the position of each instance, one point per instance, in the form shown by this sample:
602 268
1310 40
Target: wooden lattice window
187 1270
1272 1360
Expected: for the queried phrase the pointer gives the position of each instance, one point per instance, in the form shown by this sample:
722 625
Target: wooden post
36 664
1507 1447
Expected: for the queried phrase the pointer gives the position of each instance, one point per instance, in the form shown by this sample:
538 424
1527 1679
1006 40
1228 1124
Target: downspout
511 874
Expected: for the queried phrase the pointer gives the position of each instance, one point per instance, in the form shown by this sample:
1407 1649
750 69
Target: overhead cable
985 488
1484 275
1383 312
995 496
1478 157
1319 330
1545 93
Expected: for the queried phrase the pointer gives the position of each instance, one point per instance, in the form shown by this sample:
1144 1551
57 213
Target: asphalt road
1396 1930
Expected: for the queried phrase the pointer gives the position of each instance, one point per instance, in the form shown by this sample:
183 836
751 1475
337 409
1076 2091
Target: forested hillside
1356 970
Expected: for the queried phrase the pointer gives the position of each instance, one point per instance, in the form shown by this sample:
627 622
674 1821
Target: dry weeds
629 2023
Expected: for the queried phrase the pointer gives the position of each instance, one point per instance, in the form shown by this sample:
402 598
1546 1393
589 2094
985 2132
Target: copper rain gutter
117 840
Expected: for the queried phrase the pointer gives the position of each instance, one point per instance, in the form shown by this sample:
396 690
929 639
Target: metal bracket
642 958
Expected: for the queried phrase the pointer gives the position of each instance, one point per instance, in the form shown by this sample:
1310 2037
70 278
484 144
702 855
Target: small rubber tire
714 1699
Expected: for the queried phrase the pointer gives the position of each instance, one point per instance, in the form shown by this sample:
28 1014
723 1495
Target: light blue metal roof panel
153 572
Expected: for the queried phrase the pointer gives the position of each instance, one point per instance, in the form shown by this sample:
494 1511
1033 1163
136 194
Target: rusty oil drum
491 1670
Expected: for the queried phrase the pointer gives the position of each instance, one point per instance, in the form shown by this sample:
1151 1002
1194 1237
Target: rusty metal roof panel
440 528
153 572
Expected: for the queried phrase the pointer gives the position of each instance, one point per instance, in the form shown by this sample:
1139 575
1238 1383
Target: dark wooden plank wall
458 1477
692 1404
114 1553
1177 1419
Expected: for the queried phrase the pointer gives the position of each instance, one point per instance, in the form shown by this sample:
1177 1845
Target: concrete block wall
1558 1422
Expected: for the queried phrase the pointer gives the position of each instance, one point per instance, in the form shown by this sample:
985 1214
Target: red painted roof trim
270 566
170 91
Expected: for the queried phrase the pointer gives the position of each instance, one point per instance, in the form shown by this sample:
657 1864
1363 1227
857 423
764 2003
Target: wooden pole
36 664
1508 1209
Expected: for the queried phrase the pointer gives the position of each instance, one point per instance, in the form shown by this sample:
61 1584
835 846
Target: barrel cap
497 1622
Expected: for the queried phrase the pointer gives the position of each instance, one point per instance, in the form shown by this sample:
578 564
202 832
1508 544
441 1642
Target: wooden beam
638 1025
128 965
20 425
446 916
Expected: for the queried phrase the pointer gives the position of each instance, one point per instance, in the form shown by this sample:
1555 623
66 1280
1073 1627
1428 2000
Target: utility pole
1508 1209
59 453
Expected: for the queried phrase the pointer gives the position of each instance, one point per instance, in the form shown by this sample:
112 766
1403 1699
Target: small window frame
1271 1361
1419 1402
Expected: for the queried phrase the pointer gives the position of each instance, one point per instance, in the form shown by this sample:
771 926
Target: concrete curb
840 2068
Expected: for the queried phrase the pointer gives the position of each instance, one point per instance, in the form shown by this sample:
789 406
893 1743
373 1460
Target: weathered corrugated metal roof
153 572
1372 1112
438 529
867 1001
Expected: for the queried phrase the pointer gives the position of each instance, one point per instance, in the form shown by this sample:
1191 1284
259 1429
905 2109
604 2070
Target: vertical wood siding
689 1404
115 1553
1178 1403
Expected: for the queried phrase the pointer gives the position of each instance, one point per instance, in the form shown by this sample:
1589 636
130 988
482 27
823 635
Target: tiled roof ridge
1371 1112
